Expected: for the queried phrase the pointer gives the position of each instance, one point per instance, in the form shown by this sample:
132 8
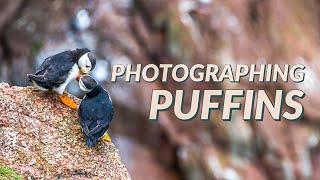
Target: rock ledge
40 138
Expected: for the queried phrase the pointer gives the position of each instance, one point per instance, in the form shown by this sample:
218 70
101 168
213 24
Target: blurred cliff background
190 32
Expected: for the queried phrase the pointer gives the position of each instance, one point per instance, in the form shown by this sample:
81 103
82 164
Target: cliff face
41 138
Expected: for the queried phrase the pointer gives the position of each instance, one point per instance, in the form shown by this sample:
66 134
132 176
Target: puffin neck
94 91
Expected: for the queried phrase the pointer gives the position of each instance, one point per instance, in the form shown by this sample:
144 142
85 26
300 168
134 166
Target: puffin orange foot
68 101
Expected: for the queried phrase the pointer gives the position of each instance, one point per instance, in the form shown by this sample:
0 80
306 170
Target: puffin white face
84 63
87 83
83 87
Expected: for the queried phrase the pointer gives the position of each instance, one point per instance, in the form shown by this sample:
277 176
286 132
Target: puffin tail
30 77
91 142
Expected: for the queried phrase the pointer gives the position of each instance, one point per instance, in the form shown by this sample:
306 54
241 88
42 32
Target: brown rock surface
41 138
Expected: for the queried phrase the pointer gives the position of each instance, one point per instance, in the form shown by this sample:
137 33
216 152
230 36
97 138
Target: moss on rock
6 173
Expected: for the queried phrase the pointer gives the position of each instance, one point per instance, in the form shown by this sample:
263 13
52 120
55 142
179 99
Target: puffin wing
101 124
105 116
95 118
55 69
86 116
46 63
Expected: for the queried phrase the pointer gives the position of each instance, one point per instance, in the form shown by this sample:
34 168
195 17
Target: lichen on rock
41 138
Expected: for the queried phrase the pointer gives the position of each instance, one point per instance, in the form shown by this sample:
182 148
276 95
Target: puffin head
86 60
87 83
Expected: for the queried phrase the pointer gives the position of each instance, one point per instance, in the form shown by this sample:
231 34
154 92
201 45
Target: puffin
57 71
95 111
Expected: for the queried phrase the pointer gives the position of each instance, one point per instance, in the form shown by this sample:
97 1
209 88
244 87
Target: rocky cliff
41 138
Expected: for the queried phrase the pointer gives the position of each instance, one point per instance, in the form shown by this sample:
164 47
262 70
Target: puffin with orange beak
57 71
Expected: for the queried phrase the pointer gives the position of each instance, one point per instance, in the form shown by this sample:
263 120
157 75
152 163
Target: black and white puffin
95 111
57 71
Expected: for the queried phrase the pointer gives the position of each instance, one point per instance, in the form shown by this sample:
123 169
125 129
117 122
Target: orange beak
78 78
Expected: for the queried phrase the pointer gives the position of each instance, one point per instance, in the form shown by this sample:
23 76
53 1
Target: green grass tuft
7 173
